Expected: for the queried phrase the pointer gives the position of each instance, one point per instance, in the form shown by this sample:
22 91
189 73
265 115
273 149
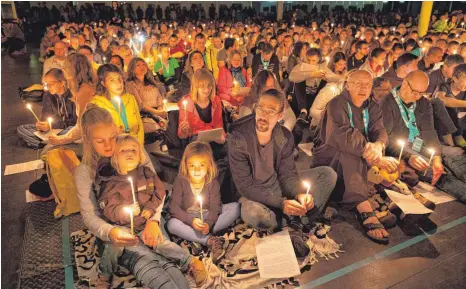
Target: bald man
353 138
428 62
408 116
58 59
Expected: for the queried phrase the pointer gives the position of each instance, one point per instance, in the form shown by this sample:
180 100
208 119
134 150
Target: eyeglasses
415 92
49 84
264 111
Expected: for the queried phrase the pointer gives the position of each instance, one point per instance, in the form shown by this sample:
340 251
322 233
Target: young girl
167 68
197 181
116 198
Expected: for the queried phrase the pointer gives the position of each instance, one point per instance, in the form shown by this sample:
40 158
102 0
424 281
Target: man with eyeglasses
260 153
408 116
352 139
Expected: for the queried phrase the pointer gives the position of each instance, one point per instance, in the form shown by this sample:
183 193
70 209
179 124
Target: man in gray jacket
263 169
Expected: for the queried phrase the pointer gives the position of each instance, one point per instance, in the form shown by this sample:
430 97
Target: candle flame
199 199
128 210
130 179
401 143
164 101
307 185
49 119
29 106
185 103
432 151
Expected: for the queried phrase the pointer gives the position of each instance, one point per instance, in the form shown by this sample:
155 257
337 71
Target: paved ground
410 261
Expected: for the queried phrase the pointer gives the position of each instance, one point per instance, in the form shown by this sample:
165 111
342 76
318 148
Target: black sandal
372 226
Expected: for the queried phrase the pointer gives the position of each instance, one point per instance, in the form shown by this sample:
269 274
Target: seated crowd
354 91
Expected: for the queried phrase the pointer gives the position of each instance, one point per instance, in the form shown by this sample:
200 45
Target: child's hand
135 208
146 214
198 225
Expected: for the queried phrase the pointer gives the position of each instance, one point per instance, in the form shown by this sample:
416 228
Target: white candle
50 120
30 108
199 199
327 59
118 101
185 104
432 152
130 212
164 105
308 186
402 144
105 59
130 179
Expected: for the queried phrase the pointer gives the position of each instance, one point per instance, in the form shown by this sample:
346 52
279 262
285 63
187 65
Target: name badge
417 145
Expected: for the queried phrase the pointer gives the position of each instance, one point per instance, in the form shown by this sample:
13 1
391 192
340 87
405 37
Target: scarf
237 74
122 111
408 116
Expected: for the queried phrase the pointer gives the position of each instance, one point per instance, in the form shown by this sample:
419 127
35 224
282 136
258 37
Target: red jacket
193 118
225 84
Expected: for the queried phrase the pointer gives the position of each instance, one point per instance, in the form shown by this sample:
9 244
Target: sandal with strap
372 226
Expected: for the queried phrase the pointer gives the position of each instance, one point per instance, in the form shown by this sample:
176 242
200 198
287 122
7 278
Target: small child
116 196
197 179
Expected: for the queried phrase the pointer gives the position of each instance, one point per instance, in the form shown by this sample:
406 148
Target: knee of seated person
259 219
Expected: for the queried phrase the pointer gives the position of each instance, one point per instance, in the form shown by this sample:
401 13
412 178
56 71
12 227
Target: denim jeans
261 217
165 251
230 212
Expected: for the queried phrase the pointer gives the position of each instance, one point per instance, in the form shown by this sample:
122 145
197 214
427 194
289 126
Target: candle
189 36
164 105
105 59
333 88
327 59
308 186
454 51
130 179
420 41
114 35
402 39
402 144
185 103
130 212
50 120
333 24
30 108
342 43
432 152
185 43
118 101
376 38
199 199
46 87
160 56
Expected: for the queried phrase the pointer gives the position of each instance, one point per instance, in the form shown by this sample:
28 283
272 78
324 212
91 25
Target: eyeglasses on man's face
265 111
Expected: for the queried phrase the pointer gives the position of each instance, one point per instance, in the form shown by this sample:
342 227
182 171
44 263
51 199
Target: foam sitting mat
238 269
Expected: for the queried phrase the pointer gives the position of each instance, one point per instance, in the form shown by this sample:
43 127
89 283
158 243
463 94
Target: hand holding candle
130 212
402 144
432 152
29 106
199 199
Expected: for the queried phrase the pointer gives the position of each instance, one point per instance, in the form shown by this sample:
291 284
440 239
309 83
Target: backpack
30 95
61 164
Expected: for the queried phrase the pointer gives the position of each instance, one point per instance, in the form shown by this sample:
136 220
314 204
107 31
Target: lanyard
409 119
265 64
122 112
365 118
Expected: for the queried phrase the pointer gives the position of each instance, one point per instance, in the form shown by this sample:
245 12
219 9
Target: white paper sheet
44 135
306 148
210 135
23 167
276 257
408 203
433 194
171 106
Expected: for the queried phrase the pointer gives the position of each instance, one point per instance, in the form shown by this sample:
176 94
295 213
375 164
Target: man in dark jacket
266 60
263 169
402 67
352 139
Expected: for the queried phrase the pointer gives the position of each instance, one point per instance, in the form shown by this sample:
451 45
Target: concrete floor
435 262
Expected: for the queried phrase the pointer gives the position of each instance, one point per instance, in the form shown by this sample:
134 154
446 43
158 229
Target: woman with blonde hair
233 77
112 96
150 268
195 62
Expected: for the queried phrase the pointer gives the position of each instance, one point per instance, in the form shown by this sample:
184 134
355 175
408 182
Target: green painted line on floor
67 264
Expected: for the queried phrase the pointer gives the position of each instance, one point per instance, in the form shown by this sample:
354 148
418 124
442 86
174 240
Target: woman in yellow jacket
123 107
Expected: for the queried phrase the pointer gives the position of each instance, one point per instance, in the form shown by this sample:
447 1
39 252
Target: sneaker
216 246
459 141
103 282
300 247
303 117
197 271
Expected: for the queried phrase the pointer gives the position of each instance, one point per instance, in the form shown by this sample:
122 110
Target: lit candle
308 186
199 199
402 39
420 41
130 212
50 120
118 101
402 144
114 35
327 59
454 51
46 87
332 24
342 43
333 88
185 104
105 59
432 152
160 56
130 179
164 104
185 43
376 38
29 106
462 24
189 36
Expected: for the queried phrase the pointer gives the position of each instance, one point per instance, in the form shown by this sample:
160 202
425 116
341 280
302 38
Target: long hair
337 57
258 85
148 77
198 148
93 115
202 76
121 140
81 70
102 73
188 69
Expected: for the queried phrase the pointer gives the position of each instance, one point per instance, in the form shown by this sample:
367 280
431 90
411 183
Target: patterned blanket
238 268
